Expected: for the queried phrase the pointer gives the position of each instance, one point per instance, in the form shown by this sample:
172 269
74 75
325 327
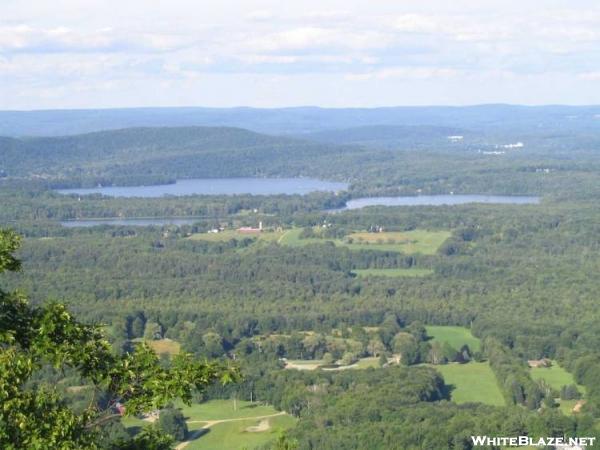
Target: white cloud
260 15
306 38
590 76
404 72
418 23
64 45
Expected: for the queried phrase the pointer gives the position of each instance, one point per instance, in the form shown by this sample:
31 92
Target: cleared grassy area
165 346
243 426
393 273
306 364
292 238
566 406
455 336
415 241
235 435
365 363
224 409
472 382
228 235
555 376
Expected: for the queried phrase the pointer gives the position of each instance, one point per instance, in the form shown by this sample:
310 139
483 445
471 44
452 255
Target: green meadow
225 409
472 382
455 336
555 376
409 242
237 435
229 235
227 424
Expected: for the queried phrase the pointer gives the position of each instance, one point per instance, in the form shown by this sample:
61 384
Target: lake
217 186
439 200
357 203
131 222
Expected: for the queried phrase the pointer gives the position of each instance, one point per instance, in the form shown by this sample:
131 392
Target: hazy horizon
473 105
109 54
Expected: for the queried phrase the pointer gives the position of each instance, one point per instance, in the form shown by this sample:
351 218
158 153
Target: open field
555 376
242 434
455 336
409 242
292 238
566 406
306 364
217 424
472 382
393 273
228 235
303 364
224 409
415 241
163 346
365 363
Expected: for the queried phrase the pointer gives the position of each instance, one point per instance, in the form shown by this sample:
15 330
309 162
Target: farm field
238 435
554 375
224 409
228 235
393 273
472 382
557 377
455 336
216 424
365 363
161 346
414 241
306 364
165 346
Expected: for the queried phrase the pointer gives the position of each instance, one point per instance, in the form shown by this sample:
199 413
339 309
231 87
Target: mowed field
165 346
392 273
314 364
240 434
228 235
223 424
555 376
239 425
161 346
472 382
414 241
409 242
455 336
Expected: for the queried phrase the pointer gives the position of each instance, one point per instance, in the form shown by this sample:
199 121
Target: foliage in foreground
37 418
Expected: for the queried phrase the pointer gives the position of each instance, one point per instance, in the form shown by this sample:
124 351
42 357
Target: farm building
537 363
251 230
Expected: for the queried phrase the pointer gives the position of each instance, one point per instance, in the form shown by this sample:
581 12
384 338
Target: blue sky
106 53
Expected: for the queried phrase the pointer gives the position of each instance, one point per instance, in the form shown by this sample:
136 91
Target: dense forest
334 287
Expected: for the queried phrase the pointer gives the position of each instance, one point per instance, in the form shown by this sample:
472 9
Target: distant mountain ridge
299 120
151 155
387 135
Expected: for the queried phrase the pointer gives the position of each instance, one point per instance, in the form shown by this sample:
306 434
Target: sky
330 53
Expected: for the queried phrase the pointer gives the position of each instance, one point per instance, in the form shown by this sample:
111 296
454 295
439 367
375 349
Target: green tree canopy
37 418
